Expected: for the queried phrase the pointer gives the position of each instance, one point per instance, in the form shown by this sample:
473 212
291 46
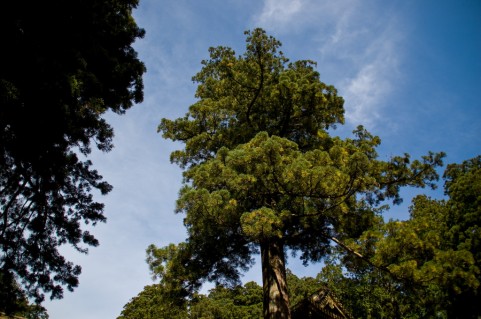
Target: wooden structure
320 305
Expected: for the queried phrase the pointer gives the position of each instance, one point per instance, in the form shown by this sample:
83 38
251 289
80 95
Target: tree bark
275 295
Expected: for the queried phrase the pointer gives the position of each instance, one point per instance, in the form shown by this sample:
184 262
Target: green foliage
240 302
262 171
463 186
427 266
302 288
67 64
154 302
240 96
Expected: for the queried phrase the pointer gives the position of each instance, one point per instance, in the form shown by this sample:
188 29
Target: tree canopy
65 64
425 267
238 302
262 172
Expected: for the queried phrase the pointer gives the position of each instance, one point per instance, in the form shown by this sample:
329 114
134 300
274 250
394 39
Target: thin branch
357 254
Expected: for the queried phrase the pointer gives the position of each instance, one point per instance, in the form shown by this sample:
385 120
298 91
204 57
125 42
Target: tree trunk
275 295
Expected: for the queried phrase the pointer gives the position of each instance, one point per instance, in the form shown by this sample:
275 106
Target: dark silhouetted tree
63 64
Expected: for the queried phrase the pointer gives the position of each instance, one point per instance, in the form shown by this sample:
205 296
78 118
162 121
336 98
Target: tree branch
357 254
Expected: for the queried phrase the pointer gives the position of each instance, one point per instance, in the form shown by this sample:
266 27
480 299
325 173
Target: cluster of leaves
240 302
67 63
426 266
240 96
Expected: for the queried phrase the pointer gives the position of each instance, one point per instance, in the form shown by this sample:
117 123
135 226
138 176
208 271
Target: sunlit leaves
240 96
434 255
261 223
153 302
261 169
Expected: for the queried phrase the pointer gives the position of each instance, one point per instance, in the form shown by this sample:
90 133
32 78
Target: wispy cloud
359 48
279 12
368 89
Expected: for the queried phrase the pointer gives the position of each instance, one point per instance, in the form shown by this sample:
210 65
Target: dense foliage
62 66
428 266
425 267
154 302
238 302
262 172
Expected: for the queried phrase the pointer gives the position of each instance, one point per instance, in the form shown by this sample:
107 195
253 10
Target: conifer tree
263 174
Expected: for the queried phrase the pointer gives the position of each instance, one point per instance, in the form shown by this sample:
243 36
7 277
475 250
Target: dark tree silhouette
63 65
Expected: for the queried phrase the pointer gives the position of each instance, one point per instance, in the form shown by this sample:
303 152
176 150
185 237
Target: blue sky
409 71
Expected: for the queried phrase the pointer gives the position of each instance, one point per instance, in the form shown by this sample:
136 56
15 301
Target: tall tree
64 64
262 171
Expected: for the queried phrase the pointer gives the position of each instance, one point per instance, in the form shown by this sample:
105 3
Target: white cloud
363 93
279 12
368 90
290 16
366 47
359 48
